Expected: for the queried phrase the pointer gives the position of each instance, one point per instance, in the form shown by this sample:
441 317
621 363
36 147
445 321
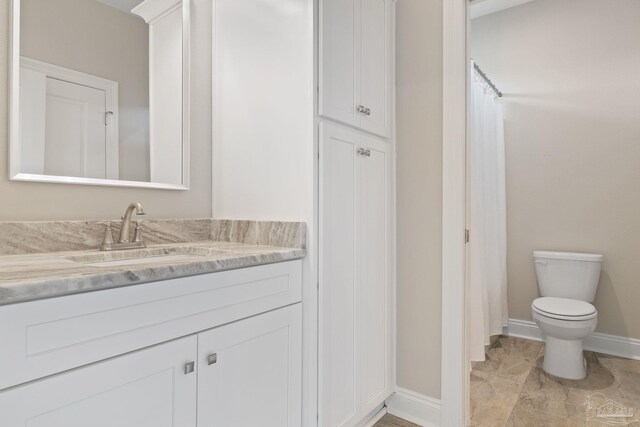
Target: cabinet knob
364 152
189 368
212 359
363 110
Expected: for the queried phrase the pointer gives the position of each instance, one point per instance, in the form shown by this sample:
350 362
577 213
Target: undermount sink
143 256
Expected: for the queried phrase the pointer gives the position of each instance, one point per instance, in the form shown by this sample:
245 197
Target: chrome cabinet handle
364 152
212 359
189 368
363 110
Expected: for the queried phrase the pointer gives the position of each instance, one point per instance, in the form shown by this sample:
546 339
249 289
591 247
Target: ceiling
485 7
123 5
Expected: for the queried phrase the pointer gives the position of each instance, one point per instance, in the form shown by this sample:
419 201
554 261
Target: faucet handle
108 234
137 235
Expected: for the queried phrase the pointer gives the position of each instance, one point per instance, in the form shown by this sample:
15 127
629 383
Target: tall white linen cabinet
356 108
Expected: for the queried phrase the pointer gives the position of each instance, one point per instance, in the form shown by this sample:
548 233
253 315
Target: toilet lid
563 308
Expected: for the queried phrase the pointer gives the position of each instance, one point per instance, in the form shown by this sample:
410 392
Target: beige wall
32 201
419 148
96 39
570 70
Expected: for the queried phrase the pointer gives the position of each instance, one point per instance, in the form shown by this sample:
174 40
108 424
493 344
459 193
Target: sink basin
143 256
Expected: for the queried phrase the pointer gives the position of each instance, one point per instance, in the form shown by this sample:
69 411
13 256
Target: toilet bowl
567 284
564 324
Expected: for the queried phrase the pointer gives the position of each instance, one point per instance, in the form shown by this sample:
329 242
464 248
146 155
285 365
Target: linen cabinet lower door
250 372
339 302
147 388
374 274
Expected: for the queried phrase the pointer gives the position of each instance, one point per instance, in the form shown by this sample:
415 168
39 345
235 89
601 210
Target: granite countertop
28 277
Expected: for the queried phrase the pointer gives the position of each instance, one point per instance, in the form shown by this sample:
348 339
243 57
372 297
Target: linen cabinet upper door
250 372
340 60
154 387
375 66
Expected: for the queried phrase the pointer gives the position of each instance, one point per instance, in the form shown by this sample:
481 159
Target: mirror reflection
101 89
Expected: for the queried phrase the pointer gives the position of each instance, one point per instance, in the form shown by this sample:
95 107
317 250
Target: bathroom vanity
177 334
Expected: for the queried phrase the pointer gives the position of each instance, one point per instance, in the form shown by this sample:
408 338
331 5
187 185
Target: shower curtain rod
487 80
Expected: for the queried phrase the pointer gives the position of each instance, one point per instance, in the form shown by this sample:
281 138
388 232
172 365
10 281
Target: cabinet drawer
44 337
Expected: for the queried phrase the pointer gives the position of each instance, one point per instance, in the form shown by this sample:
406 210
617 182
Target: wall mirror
100 92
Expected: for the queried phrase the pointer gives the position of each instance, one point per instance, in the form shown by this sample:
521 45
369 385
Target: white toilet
567 284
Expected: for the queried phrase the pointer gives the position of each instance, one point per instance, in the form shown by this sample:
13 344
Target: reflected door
75 141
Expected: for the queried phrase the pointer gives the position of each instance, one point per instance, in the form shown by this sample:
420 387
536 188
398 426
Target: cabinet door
147 388
340 60
355 294
375 66
374 275
250 372
339 392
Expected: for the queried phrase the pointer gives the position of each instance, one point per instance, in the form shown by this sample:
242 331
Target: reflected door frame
110 88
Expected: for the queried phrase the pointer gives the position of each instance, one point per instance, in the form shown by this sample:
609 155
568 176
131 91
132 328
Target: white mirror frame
14 114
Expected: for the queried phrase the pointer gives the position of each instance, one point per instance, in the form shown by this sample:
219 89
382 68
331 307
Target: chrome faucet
123 241
126 221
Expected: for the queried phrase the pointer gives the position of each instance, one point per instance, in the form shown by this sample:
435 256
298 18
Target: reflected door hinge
106 117
466 235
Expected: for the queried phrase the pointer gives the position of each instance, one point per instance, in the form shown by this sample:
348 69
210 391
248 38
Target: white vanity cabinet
355 75
219 349
356 279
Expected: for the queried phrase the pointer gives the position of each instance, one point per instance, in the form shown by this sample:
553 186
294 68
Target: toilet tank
567 274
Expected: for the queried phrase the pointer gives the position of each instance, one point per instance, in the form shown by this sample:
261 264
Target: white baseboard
414 407
602 343
376 417
522 329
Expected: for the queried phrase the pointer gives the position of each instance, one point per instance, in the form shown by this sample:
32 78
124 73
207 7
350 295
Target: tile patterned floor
510 389
391 421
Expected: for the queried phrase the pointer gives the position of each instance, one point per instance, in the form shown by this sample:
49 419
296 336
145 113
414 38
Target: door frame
455 352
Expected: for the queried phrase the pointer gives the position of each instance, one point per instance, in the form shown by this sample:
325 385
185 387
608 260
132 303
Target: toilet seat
564 309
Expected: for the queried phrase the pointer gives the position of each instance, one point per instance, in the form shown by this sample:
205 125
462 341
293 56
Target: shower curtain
487 219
